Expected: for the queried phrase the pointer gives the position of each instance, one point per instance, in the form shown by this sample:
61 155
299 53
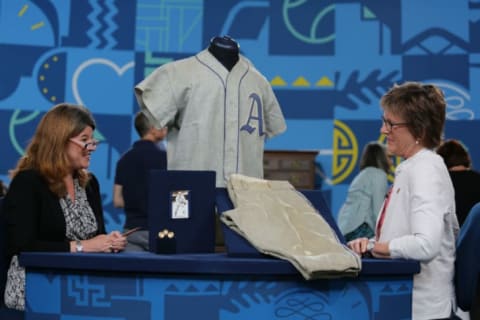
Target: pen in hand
129 232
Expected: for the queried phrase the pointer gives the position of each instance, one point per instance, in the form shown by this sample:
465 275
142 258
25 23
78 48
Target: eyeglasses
86 145
391 125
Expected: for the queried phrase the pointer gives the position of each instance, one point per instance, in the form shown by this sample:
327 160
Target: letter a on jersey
255 106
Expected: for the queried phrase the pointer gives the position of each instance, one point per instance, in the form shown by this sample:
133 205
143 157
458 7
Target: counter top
207 264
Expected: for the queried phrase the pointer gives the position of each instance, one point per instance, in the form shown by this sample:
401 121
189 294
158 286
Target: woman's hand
359 246
364 246
112 242
118 242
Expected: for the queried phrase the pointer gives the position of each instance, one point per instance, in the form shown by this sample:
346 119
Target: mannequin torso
226 50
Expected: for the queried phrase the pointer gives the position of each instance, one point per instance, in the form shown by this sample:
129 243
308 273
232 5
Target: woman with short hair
418 218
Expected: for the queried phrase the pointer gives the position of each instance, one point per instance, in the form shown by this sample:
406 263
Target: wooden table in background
296 166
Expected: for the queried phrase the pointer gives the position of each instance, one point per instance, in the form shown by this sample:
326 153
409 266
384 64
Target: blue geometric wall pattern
55 295
329 62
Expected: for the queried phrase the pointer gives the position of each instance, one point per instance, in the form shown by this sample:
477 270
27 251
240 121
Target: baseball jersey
218 120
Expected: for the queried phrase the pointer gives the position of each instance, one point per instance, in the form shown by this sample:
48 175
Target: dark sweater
467 191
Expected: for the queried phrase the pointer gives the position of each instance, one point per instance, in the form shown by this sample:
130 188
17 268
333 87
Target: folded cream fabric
279 221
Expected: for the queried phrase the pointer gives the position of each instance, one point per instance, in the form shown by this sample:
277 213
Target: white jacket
421 224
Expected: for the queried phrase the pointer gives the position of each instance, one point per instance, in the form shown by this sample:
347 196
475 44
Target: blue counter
208 286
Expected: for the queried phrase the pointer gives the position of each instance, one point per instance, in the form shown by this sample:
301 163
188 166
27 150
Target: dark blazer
34 217
467 192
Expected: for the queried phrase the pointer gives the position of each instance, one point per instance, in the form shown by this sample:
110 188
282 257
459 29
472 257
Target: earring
416 142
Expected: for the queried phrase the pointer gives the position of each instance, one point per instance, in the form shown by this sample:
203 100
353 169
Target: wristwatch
78 246
370 245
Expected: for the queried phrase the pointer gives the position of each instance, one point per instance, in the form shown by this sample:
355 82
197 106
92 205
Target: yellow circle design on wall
345 152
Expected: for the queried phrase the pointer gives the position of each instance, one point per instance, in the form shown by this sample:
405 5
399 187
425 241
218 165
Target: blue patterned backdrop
328 62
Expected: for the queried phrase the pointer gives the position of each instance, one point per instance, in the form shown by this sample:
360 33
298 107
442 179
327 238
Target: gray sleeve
274 120
155 96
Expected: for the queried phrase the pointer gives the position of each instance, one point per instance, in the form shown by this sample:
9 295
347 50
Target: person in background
131 174
53 203
466 181
3 188
417 220
358 215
